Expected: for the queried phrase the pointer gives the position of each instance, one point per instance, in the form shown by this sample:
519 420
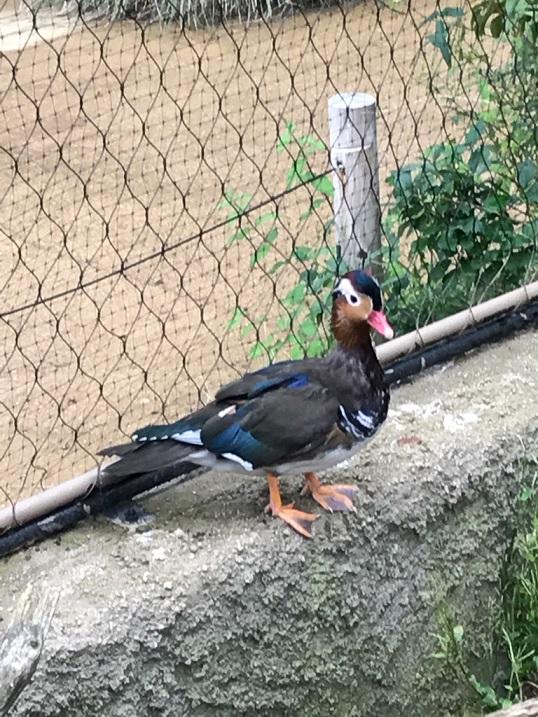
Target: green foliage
506 118
461 225
520 627
441 37
467 240
512 17
299 329
469 211
452 650
467 216
514 638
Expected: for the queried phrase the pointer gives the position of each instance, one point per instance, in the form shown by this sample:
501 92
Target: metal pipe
48 500
51 499
441 351
68 515
456 323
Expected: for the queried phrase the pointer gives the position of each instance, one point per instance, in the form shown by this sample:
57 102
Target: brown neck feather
348 333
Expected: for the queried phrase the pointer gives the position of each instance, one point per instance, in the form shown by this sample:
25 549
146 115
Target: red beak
378 321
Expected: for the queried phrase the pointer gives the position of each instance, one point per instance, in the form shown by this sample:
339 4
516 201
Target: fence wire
165 198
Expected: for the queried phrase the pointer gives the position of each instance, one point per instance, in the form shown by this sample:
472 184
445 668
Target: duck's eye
336 293
353 299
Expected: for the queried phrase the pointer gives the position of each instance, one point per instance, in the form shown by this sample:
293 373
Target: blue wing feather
226 436
295 381
238 442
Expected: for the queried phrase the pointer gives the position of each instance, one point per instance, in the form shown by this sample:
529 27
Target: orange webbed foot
336 497
297 519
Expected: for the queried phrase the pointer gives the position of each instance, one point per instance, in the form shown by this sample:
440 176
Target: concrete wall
214 609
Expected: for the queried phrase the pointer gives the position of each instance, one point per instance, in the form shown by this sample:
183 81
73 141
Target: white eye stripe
345 287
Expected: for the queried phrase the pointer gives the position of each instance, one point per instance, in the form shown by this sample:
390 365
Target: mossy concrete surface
215 609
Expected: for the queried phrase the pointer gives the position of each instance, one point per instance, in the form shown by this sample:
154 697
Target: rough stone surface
215 610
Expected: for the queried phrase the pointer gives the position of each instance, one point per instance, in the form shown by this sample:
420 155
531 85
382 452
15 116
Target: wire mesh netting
165 198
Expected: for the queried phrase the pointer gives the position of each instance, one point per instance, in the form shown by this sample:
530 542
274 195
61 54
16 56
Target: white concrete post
353 144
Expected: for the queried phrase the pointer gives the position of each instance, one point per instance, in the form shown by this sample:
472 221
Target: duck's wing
274 426
157 446
251 385
265 379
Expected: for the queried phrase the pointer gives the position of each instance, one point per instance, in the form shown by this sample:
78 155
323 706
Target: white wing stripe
231 457
192 437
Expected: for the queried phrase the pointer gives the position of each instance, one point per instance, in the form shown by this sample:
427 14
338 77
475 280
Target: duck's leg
331 497
298 520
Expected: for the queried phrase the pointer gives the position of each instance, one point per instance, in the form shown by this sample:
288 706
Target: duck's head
357 301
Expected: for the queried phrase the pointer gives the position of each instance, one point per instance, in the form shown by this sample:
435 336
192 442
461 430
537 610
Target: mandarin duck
289 417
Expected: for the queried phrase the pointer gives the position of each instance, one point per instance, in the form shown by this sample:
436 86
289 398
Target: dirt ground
116 141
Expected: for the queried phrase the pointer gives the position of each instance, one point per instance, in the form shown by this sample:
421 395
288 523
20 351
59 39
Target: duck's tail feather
120 450
137 458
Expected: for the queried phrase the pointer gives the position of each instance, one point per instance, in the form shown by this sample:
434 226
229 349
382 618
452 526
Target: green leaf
295 296
527 173
316 348
284 323
526 494
241 233
324 185
309 328
258 350
493 203
268 217
304 253
458 633
272 235
299 172
297 352
480 160
404 178
476 132
452 12
531 193
496 26
277 266
237 317
314 204
287 137
260 253
236 201
248 328
440 40
487 693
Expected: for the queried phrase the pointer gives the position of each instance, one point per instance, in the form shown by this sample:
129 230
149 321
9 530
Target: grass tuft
186 13
514 638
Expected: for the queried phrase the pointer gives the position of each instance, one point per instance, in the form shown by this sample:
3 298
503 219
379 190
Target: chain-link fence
165 198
